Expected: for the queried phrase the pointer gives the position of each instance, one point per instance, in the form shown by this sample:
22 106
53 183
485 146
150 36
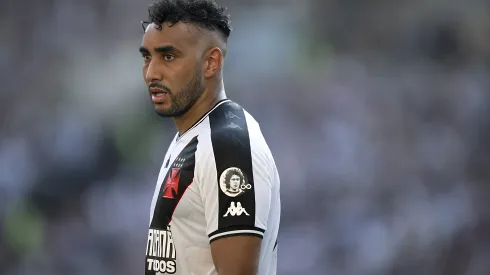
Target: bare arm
237 255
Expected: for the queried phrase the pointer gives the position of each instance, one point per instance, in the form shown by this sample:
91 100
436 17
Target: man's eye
168 57
147 58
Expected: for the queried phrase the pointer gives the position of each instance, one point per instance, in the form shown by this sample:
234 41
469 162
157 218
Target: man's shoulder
231 127
229 117
232 139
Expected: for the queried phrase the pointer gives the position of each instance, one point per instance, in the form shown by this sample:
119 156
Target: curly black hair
203 13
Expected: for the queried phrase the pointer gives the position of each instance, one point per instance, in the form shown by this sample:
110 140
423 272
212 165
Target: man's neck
201 107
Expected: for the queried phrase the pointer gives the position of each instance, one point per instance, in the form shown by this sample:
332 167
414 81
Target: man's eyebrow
166 49
161 49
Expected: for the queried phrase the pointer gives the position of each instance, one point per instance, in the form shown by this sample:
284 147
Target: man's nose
153 73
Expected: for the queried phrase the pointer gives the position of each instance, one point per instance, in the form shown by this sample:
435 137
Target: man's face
172 68
235 182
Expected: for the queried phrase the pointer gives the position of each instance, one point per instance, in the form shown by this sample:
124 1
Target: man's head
235 182
233 179
183 49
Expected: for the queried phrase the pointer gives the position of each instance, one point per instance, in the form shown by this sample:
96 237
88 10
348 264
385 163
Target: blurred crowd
377 112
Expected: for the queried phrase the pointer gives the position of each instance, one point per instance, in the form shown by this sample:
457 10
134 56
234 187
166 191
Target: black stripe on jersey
231 145
179 176
260 231
275 246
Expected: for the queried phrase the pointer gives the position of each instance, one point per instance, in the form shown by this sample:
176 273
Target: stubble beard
183 101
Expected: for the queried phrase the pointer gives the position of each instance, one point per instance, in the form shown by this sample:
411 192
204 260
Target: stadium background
377 113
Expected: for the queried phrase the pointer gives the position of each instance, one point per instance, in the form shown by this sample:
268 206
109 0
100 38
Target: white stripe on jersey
236 232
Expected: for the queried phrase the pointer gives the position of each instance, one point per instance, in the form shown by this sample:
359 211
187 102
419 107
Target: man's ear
214 62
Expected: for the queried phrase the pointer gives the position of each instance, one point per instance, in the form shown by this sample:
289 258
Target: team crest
233 182
171 187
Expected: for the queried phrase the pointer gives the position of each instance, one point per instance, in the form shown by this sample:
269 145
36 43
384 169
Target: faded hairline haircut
206 14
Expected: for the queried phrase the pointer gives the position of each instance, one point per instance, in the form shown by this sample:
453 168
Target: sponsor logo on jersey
235 210
160 251
233 182
231 115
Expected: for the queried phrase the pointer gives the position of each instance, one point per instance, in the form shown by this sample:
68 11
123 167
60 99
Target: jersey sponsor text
160 251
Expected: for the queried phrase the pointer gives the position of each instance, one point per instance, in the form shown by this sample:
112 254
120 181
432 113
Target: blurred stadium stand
377 112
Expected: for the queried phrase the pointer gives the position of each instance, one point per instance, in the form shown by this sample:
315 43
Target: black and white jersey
217 180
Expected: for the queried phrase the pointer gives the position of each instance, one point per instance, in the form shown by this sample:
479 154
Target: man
196 226
232 182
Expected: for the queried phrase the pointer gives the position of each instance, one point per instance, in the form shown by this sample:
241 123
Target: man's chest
176 195
176 217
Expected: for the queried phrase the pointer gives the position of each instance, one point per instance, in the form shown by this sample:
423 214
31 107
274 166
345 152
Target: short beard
183 101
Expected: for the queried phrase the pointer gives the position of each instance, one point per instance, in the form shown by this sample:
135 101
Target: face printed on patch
233 182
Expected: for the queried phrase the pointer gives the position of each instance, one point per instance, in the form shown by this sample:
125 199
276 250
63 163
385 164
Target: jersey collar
178 137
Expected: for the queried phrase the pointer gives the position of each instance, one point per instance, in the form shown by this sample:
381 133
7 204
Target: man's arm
237 255
236 218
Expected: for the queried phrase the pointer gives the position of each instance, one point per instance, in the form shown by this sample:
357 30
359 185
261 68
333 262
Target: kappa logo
171 187
231 115
235 210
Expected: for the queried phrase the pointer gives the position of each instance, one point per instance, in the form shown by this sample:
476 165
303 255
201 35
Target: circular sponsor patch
233 182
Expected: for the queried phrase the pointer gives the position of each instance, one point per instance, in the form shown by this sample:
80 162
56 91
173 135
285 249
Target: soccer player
216 206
